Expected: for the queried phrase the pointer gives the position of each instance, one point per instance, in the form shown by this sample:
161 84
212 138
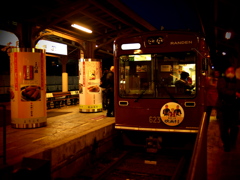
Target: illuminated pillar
64 82
90 99
64 74
28 88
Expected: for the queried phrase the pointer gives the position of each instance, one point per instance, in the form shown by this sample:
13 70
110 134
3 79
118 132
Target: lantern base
29 126
90 110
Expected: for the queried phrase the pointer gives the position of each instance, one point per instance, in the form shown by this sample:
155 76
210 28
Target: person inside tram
184 83
227 109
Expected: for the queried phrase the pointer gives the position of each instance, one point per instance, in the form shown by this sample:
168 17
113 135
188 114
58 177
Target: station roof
109 19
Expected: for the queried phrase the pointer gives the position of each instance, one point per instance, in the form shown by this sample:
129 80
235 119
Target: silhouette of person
212 93
110 92
103 86
227 108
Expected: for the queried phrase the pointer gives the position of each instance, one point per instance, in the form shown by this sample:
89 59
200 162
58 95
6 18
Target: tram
160 82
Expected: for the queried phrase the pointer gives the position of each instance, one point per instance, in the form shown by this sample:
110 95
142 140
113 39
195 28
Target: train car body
148 67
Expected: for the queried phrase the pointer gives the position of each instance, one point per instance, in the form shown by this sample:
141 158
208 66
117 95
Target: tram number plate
154 119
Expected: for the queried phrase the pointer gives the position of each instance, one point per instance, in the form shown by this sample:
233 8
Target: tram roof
109 19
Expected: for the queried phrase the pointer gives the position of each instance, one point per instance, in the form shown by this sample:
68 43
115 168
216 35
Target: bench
58 99
74 97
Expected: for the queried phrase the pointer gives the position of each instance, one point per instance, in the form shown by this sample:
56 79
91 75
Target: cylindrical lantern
90 99
28 88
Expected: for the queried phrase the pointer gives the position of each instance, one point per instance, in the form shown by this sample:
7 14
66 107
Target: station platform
68 132
68 135
221 165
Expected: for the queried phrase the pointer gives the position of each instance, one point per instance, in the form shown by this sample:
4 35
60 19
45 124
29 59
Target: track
137 164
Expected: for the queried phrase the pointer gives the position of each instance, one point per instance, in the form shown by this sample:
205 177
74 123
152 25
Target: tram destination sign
180 42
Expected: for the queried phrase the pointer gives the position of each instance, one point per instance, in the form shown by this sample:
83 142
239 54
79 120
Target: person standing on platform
212 93
103 87
227 109
110 92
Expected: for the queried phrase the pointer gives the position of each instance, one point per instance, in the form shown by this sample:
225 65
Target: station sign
52 47
8 39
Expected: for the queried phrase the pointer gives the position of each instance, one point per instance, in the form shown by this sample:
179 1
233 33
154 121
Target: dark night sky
171 14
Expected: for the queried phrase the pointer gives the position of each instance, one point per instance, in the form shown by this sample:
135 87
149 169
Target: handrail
198 165
4 135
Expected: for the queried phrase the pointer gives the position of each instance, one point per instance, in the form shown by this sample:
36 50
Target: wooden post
89 49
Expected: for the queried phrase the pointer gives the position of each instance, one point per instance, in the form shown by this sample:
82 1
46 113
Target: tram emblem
172 114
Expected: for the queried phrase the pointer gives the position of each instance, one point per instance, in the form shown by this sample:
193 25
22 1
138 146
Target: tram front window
164 75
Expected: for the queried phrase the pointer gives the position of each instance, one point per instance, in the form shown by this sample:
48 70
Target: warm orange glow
81 28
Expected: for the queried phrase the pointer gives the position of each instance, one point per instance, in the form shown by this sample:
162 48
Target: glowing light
228 35
138 51
131 46
52 47
81 28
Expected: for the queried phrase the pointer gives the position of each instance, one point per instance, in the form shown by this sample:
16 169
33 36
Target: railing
3 115
198 165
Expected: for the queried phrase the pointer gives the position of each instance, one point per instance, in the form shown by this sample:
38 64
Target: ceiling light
81 28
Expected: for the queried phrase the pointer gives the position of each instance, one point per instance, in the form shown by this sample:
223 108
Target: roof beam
62 18
131 14
113 15
115 33
90 15
112 39
52 12
67 31
60 34
67 15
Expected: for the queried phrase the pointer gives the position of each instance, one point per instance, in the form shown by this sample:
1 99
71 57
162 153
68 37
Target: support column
89 49
25 34
64 60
